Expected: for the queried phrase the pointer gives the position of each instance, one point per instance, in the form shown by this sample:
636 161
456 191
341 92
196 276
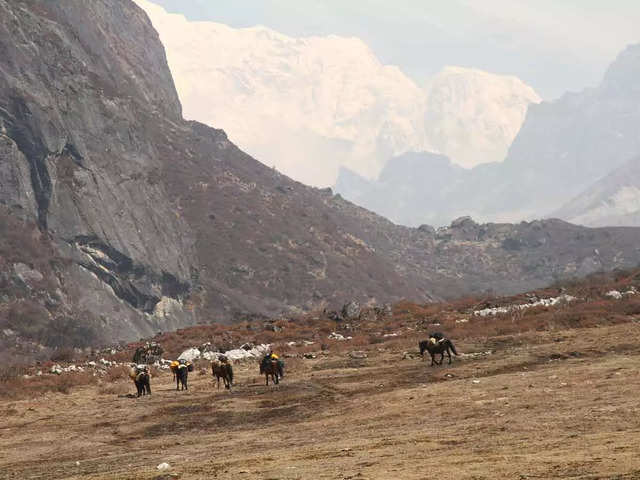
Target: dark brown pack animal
182 375
224 370
142 381
437 346
270 368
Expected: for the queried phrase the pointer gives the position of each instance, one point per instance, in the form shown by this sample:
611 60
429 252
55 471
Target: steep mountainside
566 145
137 220
562 149
614 200
84 95
331 102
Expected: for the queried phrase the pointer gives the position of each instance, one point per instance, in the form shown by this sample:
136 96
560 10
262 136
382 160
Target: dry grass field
527 399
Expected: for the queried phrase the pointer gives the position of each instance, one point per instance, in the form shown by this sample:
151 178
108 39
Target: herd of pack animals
269 367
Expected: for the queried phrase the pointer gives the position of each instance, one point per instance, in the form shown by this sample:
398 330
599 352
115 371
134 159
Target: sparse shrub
115 374
630 307
375 340
65 354
63 383
119 388
9 373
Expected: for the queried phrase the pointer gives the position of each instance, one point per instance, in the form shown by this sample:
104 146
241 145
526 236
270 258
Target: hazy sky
553 45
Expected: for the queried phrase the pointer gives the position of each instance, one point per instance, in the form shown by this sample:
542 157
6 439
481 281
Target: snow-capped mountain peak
313 104
473 116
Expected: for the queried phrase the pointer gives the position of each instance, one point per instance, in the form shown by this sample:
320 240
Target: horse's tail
230 369
453 349
423 347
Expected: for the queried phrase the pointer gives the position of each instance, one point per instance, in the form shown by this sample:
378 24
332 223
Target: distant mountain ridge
562 149
612 201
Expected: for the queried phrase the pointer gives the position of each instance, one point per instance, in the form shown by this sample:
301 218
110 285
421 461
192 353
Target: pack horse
437 344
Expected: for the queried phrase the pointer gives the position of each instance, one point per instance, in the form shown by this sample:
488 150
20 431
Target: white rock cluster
543 302
617 295
99 367
245 352
338 336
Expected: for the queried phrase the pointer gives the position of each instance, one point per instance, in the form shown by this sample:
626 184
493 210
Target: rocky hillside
140 221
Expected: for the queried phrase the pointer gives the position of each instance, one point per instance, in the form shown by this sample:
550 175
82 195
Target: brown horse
224 370
143 383
270 368
141 379
437 345
182 375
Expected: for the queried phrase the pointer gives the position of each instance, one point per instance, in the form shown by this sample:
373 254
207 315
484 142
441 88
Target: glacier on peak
472 116
311 105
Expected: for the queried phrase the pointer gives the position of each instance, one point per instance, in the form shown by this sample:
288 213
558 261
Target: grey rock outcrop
79 104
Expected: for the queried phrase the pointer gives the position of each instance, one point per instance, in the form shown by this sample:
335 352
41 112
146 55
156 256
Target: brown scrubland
546 392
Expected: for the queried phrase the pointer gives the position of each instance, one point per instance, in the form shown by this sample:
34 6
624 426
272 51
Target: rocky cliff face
139 220
84 88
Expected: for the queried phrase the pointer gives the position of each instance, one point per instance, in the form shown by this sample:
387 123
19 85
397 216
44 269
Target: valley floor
559 404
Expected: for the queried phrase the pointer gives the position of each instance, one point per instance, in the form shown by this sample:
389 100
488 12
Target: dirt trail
547 405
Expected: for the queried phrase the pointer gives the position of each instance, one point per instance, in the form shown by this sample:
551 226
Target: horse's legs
432 358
